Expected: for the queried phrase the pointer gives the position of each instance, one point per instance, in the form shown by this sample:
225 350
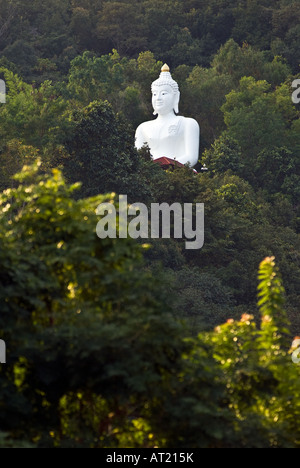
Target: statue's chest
168 134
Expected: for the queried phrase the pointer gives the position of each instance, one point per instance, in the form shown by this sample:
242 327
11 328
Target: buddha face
163 99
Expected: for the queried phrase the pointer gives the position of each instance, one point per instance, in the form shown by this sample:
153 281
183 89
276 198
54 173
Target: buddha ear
176 102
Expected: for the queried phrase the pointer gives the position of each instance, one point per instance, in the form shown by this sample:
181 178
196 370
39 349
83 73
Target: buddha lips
164 221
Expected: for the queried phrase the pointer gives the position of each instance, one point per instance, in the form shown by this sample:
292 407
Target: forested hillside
117 343
42 37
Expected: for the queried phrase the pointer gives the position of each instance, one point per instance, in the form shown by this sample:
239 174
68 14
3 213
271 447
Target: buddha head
165 93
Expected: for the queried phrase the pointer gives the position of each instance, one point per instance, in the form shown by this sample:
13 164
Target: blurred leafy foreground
95 357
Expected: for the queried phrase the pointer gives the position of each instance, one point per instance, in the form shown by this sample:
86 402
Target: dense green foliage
96 358
42 37
115 343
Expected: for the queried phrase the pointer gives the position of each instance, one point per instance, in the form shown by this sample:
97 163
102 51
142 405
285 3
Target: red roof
165 162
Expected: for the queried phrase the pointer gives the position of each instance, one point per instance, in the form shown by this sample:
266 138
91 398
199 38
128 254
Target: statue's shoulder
191 125
189 121
144 126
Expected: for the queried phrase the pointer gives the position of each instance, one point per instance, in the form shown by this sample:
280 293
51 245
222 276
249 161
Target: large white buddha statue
169 135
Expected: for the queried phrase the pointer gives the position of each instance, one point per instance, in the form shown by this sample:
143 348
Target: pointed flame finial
165 68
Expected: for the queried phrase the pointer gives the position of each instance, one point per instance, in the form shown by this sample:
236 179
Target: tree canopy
143 343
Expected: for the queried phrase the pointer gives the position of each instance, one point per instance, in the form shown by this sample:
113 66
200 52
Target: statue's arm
192 142
139 137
